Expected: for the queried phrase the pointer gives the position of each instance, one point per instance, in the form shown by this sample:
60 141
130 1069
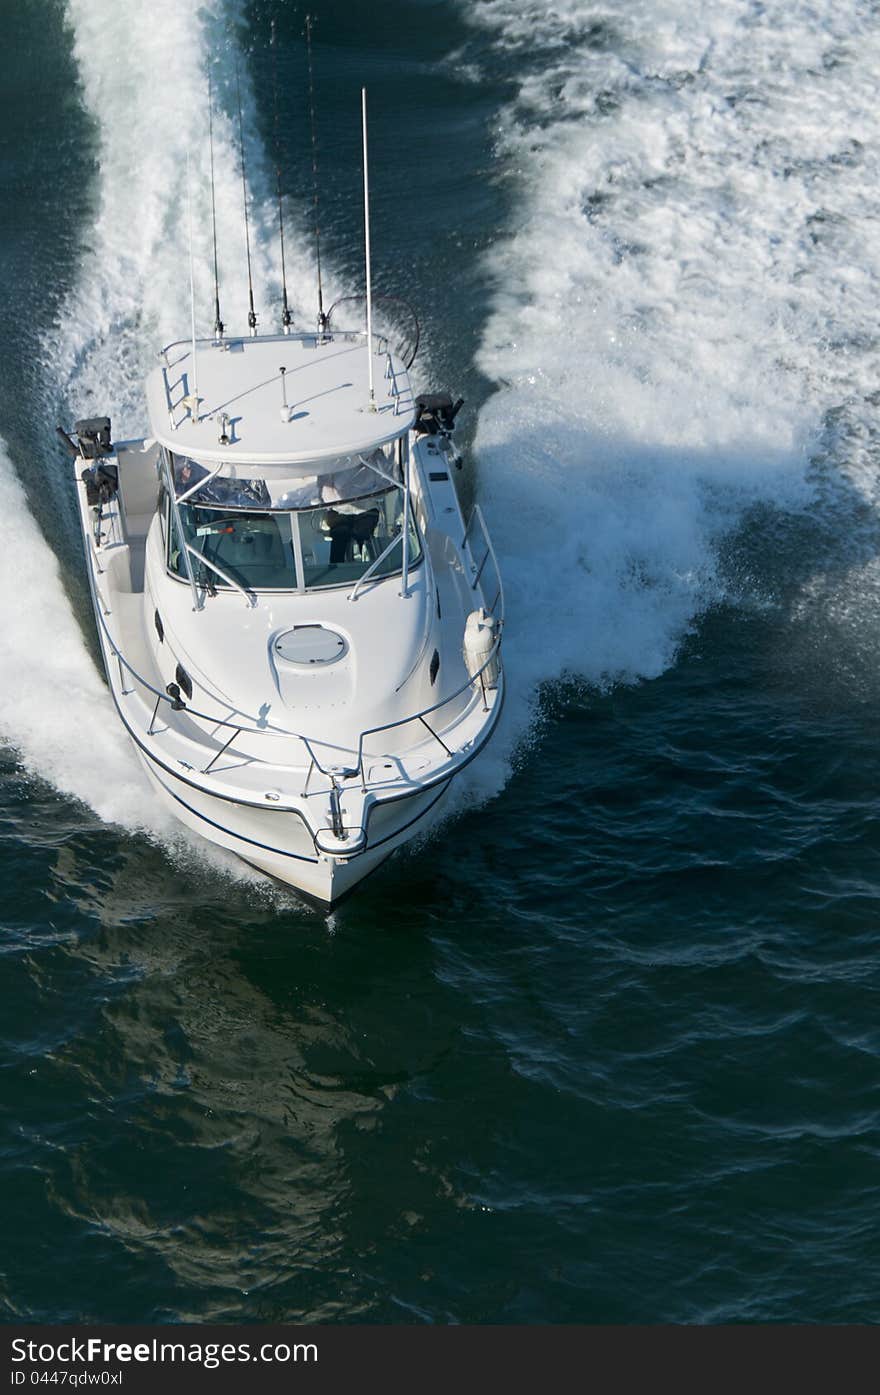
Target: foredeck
290 400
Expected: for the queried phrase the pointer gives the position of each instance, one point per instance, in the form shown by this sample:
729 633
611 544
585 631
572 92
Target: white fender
480 633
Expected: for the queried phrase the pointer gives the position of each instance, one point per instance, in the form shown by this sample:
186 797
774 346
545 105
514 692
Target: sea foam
144 72
684 298
144 78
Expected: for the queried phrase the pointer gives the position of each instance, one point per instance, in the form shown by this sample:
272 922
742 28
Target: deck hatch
307 645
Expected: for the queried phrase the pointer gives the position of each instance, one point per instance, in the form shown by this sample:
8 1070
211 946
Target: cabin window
339 542
254 549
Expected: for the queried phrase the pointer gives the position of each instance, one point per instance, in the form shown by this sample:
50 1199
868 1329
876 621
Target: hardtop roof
326 384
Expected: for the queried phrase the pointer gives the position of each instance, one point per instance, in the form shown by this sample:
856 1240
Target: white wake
687 290
143 71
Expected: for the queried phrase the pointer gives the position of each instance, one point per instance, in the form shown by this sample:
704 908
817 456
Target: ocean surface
606 1048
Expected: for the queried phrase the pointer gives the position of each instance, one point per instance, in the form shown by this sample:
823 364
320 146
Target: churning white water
53 701
684 300
143 71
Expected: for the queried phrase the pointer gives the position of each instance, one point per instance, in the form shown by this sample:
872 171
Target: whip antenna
322 318
367 252
218 323
193 395
286 317
252 318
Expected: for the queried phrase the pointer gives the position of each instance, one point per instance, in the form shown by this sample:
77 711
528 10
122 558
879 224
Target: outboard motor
93 435
436 413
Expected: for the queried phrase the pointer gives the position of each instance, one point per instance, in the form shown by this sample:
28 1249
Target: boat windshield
259 550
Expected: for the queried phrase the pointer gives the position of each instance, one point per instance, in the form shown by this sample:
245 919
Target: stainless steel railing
224 576
177 390
310 742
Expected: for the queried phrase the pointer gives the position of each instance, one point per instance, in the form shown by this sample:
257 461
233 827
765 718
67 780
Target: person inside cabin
223 492
186 474
348 522
183 475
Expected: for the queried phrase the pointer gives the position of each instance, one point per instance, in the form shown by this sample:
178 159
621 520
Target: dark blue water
606 1048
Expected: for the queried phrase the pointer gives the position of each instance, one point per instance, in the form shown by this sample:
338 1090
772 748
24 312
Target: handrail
224 576
193 711
352 595
381 340
391 373
307 741
383 474
198 601
477 513
426 711
407 353
199 484
113 519
404 560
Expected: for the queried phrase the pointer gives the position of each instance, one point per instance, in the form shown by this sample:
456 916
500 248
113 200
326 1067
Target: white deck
328 418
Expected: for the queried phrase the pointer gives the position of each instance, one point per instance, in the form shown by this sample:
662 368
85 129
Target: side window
171 540
343 541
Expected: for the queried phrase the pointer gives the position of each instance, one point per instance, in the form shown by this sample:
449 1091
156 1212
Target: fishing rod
252 318
192 399
286 317
322 318
367 252
218 323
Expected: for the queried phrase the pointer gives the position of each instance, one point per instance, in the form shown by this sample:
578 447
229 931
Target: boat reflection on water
233 1150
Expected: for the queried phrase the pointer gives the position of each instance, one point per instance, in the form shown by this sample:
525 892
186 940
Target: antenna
218 323
192 400
322 318
252 318
286 316
367 251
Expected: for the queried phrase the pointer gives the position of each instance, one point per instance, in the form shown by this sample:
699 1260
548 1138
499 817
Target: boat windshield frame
350 529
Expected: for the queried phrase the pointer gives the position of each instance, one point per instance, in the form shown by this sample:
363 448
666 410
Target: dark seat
348 528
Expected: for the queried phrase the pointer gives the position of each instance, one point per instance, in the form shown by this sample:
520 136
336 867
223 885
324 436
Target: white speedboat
300 628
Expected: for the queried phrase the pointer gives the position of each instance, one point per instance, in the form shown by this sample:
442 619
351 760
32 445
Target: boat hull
280 844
